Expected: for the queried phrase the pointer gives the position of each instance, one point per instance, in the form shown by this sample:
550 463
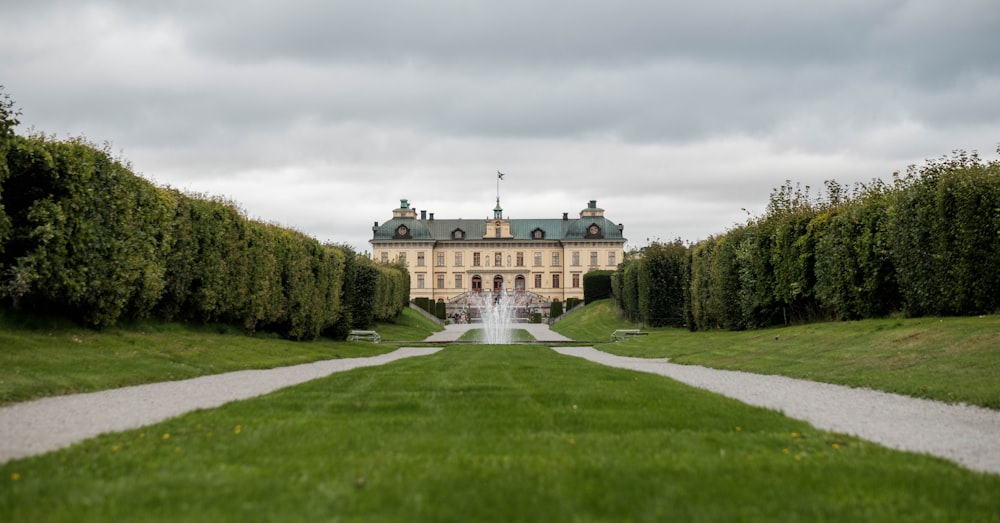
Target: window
555 281
593 258
458 281
520 259
440 259
440 281
538 259
420 281
555 259
385 257
497 259
475 259
497 232
458 259
576 258
538 281
612 259
576 280
420 259
457 234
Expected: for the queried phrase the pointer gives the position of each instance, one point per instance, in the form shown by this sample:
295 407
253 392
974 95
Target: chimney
423 215
565 216
432 216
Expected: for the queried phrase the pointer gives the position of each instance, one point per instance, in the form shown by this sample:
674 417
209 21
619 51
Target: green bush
556 309
87 236
8 120
662 278
625 284
91 240
596 286
440 309
945 247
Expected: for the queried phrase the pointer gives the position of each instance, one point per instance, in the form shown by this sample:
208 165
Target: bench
624 334
371 336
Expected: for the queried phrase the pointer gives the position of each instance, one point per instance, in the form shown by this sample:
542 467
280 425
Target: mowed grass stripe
485 433
944 359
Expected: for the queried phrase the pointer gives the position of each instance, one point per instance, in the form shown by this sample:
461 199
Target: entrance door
477 284
497 283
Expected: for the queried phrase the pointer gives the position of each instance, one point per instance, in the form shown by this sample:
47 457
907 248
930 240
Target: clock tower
498 227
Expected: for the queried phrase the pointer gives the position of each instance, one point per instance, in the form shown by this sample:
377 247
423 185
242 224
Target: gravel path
48 424
964 434
967 435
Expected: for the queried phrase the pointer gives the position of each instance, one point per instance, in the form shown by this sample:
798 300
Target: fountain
497 311
497 314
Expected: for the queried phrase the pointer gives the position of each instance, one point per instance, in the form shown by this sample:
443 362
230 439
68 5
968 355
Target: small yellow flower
739 428
116 447
795 435
14 476
787 451
836 446
166 435
237 429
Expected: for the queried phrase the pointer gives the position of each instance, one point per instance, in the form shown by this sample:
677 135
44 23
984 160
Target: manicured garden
488 433
945 359
47 356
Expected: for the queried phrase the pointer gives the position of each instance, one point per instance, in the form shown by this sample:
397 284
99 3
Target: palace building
546 257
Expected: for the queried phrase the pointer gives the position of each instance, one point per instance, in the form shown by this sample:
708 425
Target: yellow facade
448 258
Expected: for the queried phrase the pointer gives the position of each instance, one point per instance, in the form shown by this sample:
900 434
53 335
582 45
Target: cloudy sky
676 116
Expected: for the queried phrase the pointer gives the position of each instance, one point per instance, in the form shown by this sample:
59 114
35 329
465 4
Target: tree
8 120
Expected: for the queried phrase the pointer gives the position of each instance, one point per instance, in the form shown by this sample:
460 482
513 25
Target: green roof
475 230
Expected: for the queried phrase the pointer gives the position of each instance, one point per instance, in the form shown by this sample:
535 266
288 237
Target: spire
498 211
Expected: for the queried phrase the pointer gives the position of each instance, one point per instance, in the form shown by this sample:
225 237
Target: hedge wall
83 236
596 286
649 287
929 243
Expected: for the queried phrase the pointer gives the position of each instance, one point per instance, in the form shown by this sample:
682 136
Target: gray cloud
674 115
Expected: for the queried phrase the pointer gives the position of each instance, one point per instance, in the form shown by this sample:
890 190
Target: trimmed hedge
927 244
596 286
650 285
89 239
555 309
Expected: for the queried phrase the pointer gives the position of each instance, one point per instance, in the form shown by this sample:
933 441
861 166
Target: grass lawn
479 336
47 357
487 433
945 359
593 323
410 326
